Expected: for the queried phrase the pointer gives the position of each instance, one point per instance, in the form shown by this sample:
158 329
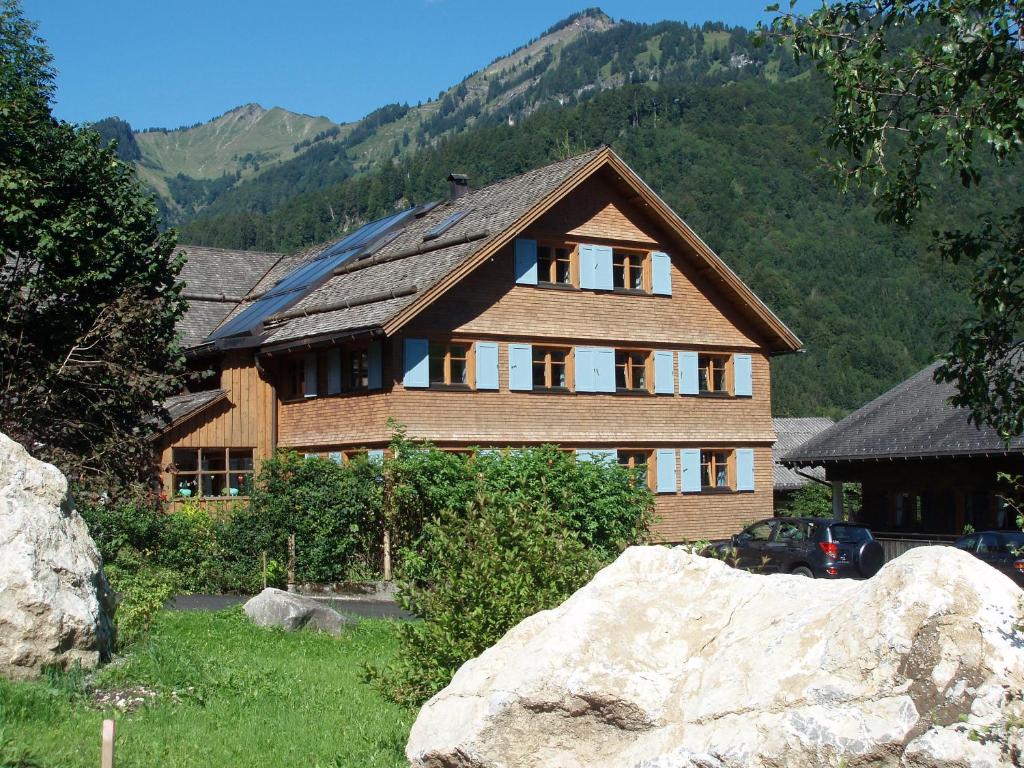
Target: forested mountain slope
252 158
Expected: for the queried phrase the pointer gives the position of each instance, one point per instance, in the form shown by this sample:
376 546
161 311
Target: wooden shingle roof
790 434
181 407
913 420
401 270
215 281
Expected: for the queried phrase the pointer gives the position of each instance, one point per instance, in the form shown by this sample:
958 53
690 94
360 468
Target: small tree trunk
387 555
291 562
263 568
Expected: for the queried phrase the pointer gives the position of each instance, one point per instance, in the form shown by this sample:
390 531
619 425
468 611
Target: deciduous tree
88 296
915 81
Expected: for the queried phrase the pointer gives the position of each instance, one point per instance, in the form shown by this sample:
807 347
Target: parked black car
806 546
1003 550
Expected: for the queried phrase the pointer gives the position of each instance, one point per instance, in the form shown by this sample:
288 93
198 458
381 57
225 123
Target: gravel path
367 609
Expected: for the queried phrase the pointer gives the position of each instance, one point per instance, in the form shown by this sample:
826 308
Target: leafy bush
815 500
501 537
142 593
333 510
478 573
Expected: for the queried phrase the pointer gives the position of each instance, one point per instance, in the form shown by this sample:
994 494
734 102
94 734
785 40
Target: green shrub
501 536
477 573
131 527
333 511
142 593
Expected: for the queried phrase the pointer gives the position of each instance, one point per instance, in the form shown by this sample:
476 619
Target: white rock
670 660
56 607
277 608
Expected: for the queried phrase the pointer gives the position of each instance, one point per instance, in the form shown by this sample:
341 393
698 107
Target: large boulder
277 608
56 608
667 659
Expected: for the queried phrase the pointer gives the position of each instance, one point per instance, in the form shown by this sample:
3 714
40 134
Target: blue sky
178 63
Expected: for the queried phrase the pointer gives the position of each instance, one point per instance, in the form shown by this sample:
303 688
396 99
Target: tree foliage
88 301
919 82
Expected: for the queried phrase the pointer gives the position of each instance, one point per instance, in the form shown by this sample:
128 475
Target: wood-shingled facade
577 310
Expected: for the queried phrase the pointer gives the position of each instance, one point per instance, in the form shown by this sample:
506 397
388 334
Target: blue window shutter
743 375
335 456
417 364
586 381
526 261
689 459
664 373
333 371
666 470
375 374
375 454
603 455
520 367
688 373
309 375
744 469
603 267
588 266
604 369
487 365
661 274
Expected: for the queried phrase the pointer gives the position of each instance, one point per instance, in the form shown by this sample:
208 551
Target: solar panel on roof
309 275
445 225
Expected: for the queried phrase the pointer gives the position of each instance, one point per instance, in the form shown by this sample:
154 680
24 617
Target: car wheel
870 558
802 570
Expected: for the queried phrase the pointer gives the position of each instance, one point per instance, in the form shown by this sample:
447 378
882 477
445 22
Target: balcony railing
895 544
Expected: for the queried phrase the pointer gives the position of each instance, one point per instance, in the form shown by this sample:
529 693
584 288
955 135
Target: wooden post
837 500
263 567
387 555
109 732
291 562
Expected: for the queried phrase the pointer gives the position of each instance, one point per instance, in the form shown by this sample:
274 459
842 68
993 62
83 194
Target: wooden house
566 305
926 471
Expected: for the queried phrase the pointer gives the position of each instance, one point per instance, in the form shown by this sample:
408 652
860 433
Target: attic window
445 225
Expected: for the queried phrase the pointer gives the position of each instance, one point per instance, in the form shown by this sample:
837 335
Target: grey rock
669 660
277 608
56 607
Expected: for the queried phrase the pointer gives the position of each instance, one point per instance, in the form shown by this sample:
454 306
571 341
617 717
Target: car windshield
850 533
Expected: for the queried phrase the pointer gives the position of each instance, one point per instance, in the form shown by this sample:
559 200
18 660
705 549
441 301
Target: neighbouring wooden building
790 433
566 305
925 470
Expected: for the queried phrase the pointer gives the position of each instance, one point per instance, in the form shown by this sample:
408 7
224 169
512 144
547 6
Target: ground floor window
715 469
206 472
637 463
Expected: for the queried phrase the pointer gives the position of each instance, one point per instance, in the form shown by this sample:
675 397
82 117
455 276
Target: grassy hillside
238 141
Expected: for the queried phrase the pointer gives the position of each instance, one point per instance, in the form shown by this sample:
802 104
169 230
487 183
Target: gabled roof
389 278
913 420
215 281
790 434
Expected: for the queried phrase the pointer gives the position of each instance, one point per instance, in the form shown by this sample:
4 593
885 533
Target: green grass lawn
231 694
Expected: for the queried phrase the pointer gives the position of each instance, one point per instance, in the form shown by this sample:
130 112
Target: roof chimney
458 185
